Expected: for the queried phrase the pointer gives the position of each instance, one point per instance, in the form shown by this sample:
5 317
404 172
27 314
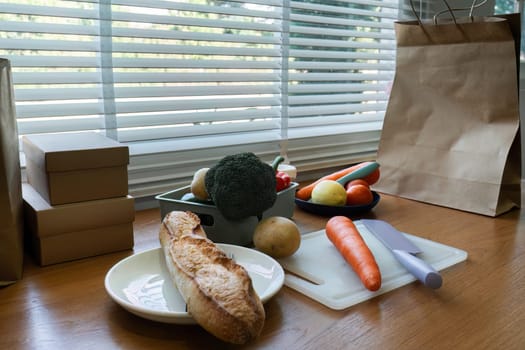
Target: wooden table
480 306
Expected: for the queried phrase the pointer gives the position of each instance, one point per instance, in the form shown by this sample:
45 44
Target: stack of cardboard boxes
76 201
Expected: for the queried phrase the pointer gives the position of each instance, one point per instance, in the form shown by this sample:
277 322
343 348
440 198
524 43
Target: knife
404 251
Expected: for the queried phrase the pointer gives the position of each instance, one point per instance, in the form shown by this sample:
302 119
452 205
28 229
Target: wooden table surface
480 305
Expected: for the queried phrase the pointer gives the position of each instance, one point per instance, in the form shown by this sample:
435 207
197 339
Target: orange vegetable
357 182
305 192
341 231
373 177
359 195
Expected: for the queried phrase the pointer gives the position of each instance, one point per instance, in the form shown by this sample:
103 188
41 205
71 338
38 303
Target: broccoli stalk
241 185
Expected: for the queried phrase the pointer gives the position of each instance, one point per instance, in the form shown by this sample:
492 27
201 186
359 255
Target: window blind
340 64
183 83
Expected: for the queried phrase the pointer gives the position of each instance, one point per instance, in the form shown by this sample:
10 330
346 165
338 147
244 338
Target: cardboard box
69 168
82 244
78 230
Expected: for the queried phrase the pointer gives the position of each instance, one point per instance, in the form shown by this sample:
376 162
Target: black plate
329 210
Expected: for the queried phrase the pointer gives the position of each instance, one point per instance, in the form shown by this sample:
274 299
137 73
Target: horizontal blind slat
345 33
208 103
57 78
195 22
202 36
343 55
46 94
339 76
349 10
53 125
58 109
168 4
342 22
336 98
334 109
52 61
200 90
49 45
50 28
206 142
346 44
167 132
133 120
184 63
334 88
50 11
193 77
194 50
375 3
165 6
330 65
340 119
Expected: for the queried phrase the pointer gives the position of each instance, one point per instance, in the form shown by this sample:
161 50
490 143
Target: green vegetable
241 185
275 164
359 173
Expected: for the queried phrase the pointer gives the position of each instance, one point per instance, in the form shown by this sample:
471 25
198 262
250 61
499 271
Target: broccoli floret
241 185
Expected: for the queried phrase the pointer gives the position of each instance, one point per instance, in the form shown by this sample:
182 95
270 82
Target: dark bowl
330 210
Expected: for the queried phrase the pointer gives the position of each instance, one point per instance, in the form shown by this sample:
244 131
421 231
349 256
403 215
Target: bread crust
218 292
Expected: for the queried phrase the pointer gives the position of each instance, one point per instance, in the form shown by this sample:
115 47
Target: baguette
218 292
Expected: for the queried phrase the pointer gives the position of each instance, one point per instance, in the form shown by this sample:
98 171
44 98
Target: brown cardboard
43 219
82 244
69 168
11 223
77 230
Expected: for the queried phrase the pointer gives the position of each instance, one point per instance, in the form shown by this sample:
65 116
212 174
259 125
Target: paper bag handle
470 14
449 10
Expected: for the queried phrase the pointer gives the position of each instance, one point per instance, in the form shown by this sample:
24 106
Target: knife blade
404 251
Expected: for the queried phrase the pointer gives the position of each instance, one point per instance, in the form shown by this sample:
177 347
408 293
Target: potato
198 187
277 236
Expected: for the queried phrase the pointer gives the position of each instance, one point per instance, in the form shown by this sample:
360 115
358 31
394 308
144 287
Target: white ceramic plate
142 285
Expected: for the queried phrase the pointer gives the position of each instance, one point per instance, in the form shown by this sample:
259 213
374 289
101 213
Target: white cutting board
330 280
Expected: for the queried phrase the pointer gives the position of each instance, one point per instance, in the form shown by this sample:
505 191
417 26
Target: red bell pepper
282 179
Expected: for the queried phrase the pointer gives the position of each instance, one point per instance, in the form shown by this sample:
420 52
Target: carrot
341 231
305 192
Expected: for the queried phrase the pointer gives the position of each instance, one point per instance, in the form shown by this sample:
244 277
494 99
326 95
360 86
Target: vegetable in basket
241 185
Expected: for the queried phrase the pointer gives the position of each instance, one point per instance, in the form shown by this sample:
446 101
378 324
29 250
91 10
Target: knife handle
419 268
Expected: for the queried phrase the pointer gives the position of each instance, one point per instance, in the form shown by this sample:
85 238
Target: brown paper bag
451 130
11 215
